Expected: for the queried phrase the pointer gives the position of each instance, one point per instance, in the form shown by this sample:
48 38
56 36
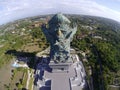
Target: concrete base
60 76
59 66
64 76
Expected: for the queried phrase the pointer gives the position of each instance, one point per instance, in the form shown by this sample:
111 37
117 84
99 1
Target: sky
11 10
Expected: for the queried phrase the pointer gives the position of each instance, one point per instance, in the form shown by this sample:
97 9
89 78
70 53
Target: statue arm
74 29
72 32
46 32
44 29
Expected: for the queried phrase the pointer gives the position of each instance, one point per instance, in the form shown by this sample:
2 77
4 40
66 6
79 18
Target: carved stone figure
59 34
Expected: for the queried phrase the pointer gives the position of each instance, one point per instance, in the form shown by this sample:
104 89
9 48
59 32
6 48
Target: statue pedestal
59 67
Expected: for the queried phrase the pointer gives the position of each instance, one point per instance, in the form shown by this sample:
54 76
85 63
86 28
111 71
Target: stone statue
59 34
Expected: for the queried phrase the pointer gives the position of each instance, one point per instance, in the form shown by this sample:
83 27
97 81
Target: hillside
97 37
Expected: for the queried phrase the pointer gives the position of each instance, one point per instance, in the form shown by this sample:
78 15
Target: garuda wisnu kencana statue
59 33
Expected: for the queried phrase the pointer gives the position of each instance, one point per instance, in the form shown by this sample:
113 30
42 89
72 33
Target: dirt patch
31 48
17 79
5 75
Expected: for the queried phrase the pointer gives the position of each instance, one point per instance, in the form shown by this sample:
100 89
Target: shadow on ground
26 57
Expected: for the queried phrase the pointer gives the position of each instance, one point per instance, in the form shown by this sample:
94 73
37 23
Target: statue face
59 32
61 29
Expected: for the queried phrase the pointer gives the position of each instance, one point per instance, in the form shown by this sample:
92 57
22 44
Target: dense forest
97 37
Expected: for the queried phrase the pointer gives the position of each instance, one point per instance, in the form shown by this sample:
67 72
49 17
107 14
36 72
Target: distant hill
102 23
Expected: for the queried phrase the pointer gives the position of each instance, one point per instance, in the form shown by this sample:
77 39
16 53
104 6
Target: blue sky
16 9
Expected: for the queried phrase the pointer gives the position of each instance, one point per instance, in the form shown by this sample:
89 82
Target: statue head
59 19
59 24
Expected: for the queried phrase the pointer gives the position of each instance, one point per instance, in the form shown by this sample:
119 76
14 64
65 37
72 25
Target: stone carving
59 34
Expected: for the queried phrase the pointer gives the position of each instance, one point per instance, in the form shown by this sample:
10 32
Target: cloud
117 0
14 9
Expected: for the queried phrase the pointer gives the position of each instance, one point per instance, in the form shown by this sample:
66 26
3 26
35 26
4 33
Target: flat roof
60 81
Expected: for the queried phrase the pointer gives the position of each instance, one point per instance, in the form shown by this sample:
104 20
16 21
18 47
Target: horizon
56 13
13 10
